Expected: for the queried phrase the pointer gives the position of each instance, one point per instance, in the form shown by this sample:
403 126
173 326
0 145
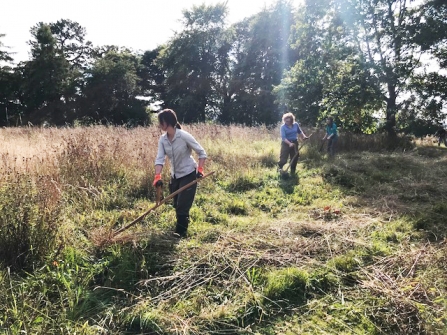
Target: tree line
372 64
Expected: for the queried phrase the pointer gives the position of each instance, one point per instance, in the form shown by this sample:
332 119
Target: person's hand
199 172
306 137
157 181
291 144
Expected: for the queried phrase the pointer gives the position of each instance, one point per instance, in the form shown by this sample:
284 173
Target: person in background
289 131
178 145
441 134
331 135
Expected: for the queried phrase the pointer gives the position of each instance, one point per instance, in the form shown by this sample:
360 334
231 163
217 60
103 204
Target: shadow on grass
413 184
121 266
288 181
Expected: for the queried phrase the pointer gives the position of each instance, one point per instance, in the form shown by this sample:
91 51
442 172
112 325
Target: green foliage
270 200
323 281
353 60
237 207
348 263
432 221
244 182
144 320
261 49
396 231
111 91
340 177
4 55
63 282
269 159
193 64
45 79
346 74
287 284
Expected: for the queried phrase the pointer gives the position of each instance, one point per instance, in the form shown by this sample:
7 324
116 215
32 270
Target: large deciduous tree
110 95
52 80
384 30
44 78
151 76
430 86
190 63
260 54
70 40
8 87
366 57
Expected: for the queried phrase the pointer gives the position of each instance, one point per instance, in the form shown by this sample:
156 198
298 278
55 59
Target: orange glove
157 181
199 172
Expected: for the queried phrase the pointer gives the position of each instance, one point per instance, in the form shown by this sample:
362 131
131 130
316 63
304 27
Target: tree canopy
375 65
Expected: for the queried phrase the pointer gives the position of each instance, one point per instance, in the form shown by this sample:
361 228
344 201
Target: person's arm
198 149
301 133
201 164
303 136
158 169
194 145
159 163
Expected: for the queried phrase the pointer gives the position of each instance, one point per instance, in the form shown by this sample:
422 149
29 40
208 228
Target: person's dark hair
331 120
168 116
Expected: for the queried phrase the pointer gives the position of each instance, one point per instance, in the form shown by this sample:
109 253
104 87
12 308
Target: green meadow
351 245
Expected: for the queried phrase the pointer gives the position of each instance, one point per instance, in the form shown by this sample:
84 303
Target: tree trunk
391 109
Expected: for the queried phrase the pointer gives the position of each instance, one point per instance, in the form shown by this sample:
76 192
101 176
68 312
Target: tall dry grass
77 170
54 174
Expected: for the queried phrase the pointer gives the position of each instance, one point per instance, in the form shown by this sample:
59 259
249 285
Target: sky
137 24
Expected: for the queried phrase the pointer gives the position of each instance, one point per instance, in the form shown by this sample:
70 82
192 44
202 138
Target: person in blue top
290 130
331 135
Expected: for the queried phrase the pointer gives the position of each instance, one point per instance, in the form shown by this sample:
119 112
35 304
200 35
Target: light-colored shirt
291 133
179 152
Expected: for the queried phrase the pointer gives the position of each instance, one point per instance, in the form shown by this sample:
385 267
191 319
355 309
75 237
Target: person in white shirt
178 145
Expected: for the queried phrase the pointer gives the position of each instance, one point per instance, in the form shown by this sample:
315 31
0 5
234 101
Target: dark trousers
331 145
183 201
291 153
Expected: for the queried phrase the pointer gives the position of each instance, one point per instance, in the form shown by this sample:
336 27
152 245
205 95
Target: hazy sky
136 24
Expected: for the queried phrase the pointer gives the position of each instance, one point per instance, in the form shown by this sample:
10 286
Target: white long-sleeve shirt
179 152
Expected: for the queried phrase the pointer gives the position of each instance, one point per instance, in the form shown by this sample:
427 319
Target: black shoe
182 225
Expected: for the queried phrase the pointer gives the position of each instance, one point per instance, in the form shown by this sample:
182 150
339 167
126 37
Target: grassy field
350 245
